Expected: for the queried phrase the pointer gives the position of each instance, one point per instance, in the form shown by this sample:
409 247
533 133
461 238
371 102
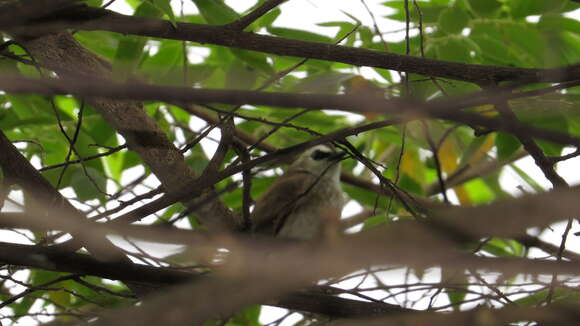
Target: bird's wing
279 201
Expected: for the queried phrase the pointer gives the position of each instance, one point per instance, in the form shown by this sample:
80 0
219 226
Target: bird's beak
337 156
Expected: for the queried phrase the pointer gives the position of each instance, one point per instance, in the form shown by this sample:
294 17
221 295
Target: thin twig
248 19
435 150
85 159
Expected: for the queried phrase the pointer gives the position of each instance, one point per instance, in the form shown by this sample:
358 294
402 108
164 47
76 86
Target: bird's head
319 159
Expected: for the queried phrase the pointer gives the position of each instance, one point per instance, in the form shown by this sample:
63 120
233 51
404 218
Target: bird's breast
321 206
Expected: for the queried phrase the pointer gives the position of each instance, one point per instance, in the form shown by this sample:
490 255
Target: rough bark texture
64 55
90 18
313 300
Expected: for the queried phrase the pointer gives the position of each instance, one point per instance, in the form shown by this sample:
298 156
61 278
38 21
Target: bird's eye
319 155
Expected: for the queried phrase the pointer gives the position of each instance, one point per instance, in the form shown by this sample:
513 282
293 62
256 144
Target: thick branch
312 301
19 171
89 18
448 110
63 54
46 198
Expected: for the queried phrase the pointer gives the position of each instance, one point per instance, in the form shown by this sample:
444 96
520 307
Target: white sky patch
210 145
512 182
197 54
573 14
154 249
533 19
121 7
570 168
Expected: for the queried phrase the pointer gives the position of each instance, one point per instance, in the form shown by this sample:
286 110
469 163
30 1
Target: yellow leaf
61 298
462 195
412 166
486 110
448 155
482 150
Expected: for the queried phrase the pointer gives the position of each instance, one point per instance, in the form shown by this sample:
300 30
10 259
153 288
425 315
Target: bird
304 202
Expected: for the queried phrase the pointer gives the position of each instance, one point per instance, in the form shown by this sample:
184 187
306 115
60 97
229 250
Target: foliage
507 33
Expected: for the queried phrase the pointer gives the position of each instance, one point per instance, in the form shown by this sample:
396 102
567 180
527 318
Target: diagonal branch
17 168
64 55
89 18
546 165
248 19
448 109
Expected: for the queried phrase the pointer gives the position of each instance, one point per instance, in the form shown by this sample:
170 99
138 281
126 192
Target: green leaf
453 20
458 292
160 66
8 67
165 6
162 122
485 8
38 277
493 51
374 221
430 11
267 20
528 179
103 43
21 307
95 3
554 121
570 6
200 73
88 184
255 59
240 76
530 43
169 213
101 132
560 295
471 149
479 192
504 248
216 12
31 106
506 145
114 164
130 49
247 317
364 197
524 8
456 48
134 3
196 159
128 56
67 104
557 23
8 120
409 184
365 35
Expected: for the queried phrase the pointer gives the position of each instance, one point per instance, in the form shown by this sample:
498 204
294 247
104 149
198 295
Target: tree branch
64 55
248 19
89 18
448 109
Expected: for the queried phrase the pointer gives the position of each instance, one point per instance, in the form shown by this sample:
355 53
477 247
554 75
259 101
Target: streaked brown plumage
301 202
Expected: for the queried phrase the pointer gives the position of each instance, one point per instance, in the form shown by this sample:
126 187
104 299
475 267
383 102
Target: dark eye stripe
319 155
